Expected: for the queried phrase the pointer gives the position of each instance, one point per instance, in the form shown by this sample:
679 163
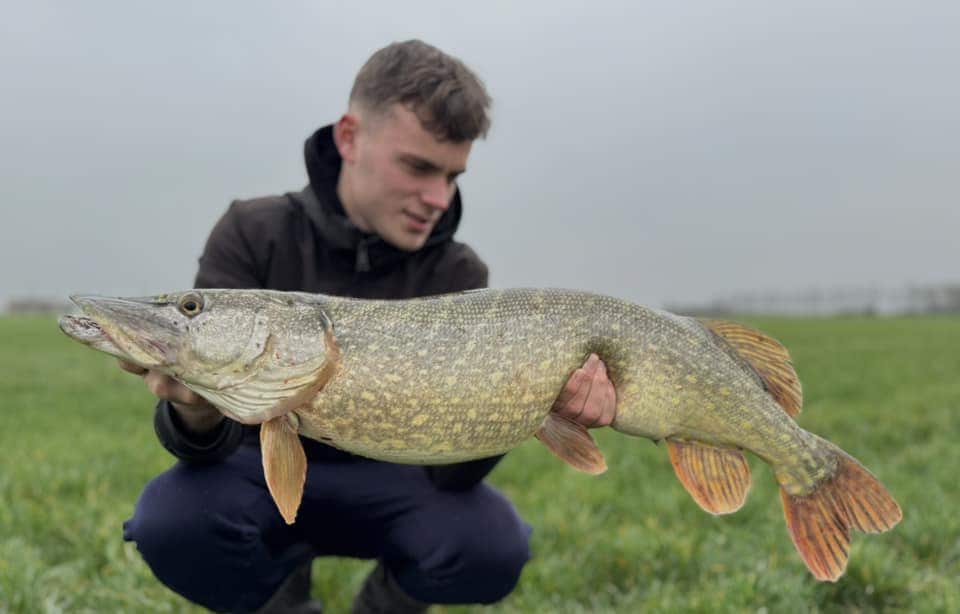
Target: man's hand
196 413
588 397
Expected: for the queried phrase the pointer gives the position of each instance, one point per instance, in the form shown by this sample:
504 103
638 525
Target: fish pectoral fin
284 465
717 478
768 359
572 443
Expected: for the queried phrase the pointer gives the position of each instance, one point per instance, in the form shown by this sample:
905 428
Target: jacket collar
326 213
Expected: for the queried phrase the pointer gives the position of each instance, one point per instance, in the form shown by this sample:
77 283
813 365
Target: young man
376 221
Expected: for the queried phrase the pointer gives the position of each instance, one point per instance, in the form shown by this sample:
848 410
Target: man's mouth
416 222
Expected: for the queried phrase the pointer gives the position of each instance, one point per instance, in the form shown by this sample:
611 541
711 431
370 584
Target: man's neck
345 194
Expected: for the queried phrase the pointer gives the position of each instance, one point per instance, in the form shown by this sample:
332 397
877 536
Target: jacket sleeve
469 273
206 448
227 262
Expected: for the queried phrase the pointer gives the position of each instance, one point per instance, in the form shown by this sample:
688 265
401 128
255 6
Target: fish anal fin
572 443
820 522
768 359
284 465
718 479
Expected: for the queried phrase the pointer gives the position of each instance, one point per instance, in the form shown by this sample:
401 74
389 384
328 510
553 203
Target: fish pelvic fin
284 464
768 359
718 479
572 443
820 522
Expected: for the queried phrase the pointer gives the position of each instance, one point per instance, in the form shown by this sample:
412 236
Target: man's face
397 178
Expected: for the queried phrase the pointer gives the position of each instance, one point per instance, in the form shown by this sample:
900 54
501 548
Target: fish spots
419 420
724 391
393 378
366 395
692 379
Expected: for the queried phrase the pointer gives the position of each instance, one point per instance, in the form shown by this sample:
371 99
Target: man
376 221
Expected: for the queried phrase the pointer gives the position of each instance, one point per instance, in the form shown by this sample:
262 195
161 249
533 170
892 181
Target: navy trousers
213 534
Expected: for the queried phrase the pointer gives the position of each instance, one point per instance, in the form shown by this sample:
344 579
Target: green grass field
77 445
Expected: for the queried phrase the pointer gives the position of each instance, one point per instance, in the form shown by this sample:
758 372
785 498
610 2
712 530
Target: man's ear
345 136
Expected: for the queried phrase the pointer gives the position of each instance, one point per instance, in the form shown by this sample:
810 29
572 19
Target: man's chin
408 242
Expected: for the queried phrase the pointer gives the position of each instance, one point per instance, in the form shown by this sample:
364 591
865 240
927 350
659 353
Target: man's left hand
588 397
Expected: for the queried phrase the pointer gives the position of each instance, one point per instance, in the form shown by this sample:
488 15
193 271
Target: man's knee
492 563
171 518
475 555
200 546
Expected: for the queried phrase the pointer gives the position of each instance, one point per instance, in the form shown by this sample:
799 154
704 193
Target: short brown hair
448 98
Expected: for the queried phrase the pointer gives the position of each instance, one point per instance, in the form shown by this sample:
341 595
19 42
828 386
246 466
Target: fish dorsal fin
572 443
284 464
768 359
718 479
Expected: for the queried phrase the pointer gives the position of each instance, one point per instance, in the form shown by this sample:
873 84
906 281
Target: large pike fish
464 376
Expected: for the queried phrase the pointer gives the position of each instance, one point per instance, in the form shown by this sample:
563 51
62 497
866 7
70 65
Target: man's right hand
195 412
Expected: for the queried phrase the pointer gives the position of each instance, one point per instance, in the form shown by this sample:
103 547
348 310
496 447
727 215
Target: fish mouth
83 329
132 329
89 333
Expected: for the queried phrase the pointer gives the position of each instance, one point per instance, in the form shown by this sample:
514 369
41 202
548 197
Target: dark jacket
304 241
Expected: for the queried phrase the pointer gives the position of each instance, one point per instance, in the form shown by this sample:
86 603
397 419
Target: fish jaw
89 333
141 331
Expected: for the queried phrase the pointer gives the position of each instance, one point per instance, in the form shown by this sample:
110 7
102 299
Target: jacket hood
326 212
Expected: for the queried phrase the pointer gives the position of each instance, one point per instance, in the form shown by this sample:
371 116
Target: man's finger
609 401
569 389
129 367
165 387
601 406
592 365
572 407
578 403
569 403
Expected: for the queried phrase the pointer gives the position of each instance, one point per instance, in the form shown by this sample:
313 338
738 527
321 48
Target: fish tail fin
820 521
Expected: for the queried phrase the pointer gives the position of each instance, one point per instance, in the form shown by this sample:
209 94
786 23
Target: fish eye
190 304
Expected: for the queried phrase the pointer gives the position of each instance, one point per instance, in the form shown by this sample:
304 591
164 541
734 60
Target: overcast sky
658 152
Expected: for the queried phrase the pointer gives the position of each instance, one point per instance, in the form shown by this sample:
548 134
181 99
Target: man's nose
438 193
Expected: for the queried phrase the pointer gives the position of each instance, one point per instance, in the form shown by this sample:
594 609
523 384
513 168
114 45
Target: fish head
243 350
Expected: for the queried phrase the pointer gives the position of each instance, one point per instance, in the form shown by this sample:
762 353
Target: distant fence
812 301
834 301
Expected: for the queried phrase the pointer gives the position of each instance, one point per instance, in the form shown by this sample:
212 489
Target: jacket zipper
363 257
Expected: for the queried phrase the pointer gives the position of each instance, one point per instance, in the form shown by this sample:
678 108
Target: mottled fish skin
464 376
469 375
